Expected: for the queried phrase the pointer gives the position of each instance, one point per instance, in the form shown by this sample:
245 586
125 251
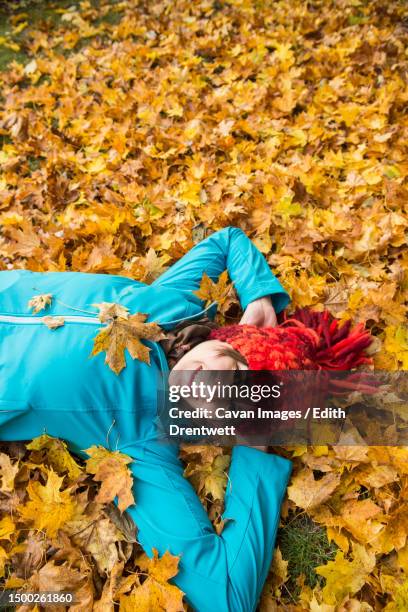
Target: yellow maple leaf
4 557
56 455
305 290
308 493
210 292
8 472
124 331
155 593
287 208
344 577
40 302
209 477
110 468
396 343
7 528
48 507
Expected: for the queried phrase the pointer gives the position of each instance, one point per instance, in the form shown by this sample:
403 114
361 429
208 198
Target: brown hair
231 352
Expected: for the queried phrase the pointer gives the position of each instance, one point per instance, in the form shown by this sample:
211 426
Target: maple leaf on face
40 302
48 507
155 593
124 331
110 468
210 291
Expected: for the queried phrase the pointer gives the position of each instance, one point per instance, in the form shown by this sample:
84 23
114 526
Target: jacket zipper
40 320
27 320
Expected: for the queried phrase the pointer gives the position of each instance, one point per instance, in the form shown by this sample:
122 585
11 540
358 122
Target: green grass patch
40 15
305 546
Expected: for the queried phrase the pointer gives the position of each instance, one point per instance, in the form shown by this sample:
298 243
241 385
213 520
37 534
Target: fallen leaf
8 472
53 322
156 593
48 507
210 291
55 453
110 468
124 332
40 302
307 493
346 577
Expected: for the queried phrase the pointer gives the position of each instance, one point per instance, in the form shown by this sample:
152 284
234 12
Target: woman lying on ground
49 384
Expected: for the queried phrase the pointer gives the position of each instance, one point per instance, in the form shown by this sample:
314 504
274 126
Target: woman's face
213 356
209 355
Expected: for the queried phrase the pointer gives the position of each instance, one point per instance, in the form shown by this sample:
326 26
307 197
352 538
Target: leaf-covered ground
130 129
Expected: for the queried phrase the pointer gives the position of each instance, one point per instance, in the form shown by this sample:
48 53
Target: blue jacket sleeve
231 249
222 573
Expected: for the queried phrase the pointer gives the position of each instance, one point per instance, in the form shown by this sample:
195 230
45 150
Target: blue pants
223 573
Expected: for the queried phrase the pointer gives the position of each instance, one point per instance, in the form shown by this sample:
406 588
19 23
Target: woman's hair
185 336
231 352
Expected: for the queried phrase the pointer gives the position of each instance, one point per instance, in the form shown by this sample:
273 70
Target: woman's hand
260 312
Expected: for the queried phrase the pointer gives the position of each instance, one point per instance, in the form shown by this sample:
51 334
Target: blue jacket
49 383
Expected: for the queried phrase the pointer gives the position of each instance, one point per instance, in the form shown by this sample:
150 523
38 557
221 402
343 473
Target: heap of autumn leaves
133 129
61 532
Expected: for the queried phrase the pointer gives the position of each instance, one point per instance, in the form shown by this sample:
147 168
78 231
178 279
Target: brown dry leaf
99 538
40 302
124 331
58 578
110 468
277 577
53 322
279 568
109 311
33 556
111 586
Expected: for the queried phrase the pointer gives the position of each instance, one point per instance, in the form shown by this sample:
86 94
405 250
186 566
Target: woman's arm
223 572
231 249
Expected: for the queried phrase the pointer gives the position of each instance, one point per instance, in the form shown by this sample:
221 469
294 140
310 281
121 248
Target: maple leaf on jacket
209 291
124 331
110 468
40 302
